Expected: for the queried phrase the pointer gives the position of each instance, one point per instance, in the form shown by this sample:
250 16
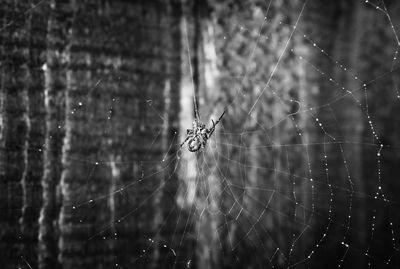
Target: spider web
224 183
274 186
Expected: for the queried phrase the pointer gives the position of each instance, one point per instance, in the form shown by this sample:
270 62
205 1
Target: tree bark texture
61 94
115 95
15 132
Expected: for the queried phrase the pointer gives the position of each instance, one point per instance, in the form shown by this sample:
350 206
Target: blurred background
301 172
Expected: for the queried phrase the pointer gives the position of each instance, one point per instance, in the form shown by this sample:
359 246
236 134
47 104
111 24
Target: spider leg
187 138
219 119
212 129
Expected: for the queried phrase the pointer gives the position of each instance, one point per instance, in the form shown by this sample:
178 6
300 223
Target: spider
197 136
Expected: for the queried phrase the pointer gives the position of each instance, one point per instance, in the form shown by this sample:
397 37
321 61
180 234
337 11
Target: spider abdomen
194 144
